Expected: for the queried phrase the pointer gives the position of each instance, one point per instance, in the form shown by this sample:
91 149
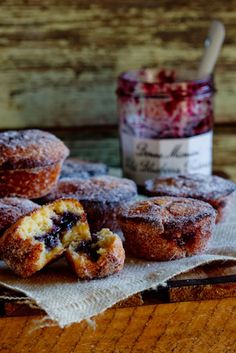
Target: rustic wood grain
202 292
59 59
16 308
199 327
212 281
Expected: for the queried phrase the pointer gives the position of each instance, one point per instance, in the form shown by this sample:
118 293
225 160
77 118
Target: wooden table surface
197 327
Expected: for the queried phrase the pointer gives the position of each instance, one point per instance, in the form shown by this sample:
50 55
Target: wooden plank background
200 327
59 59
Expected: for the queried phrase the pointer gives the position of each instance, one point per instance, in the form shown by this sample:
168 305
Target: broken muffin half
44 234
101 256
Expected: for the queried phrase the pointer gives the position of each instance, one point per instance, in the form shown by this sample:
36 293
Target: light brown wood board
198 327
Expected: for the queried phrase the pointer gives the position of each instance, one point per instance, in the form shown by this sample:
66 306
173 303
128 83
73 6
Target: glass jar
165 123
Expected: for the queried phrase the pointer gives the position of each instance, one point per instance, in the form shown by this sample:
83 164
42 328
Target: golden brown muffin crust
29 183
166 228
167 211
103 256
27 149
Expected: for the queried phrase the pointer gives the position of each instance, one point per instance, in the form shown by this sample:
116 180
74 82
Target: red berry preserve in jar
165 123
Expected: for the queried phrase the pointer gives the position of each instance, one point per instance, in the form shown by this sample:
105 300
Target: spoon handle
213 45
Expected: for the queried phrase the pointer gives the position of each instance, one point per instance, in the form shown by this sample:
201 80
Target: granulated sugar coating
74 168
212 189
165 228
12 208
99 189
167 211
30 149
30 163
198 186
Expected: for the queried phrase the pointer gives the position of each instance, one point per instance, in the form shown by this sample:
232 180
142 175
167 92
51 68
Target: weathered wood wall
59 59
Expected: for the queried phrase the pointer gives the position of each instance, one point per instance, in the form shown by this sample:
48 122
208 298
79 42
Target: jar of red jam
166 122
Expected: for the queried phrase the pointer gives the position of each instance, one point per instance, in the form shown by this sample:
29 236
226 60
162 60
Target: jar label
146 158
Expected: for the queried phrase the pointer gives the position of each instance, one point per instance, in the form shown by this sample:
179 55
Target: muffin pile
53 206
41 218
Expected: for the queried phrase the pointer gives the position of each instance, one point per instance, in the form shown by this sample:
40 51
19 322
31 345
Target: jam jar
165 122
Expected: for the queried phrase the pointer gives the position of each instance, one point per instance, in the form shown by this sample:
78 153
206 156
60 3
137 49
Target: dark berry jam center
61 225
89 247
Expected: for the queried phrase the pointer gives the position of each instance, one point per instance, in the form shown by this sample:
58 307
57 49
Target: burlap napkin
66 299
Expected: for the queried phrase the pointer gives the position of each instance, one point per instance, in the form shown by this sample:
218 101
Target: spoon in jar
213 44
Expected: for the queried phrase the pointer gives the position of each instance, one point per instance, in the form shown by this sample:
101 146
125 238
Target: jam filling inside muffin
90 248
62 224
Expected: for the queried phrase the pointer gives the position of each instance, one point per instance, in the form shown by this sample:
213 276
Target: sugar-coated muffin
12 208
212 189
99 257
101 197
43 235
30 162
76 168
166 228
